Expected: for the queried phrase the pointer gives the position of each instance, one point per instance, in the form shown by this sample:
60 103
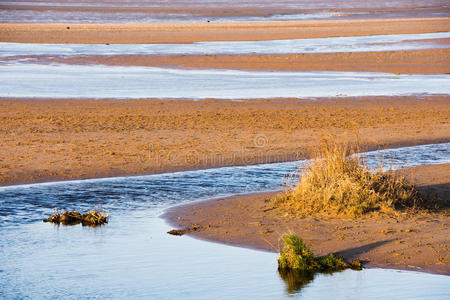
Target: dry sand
195 32
414 242
45 140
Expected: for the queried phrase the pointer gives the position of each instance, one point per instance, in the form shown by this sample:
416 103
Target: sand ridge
434 61
226 31
45 140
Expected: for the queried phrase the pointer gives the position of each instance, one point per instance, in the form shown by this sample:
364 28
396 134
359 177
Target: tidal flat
288 74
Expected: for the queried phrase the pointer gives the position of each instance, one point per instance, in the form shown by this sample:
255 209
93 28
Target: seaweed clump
183 231
71 218
94 218
90 218
55 218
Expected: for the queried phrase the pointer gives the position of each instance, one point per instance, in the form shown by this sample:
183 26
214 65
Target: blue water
133 257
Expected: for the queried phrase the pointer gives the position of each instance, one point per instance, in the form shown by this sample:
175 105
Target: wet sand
414 242
46 140
434 61
196 32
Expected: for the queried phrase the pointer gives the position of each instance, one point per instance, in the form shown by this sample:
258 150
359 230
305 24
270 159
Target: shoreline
65 180
407 242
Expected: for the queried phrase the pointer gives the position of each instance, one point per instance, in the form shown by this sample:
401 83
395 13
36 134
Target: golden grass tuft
339 182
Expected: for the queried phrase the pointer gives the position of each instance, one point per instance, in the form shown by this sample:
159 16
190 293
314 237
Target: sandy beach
410 241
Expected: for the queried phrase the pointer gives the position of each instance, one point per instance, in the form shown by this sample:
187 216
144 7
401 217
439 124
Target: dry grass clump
90 218
338 182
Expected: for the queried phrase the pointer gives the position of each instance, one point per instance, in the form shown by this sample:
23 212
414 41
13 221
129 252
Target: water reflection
295 281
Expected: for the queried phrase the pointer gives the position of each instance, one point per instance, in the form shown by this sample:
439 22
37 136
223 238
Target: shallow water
132 256
304 4
191 11
49 16
97 81
393 42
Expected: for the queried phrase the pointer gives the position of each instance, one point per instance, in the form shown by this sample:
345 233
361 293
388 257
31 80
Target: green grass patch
296 256
297 264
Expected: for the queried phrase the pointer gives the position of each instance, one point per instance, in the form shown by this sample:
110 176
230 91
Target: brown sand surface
45 140
415 242
435 61
195 32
